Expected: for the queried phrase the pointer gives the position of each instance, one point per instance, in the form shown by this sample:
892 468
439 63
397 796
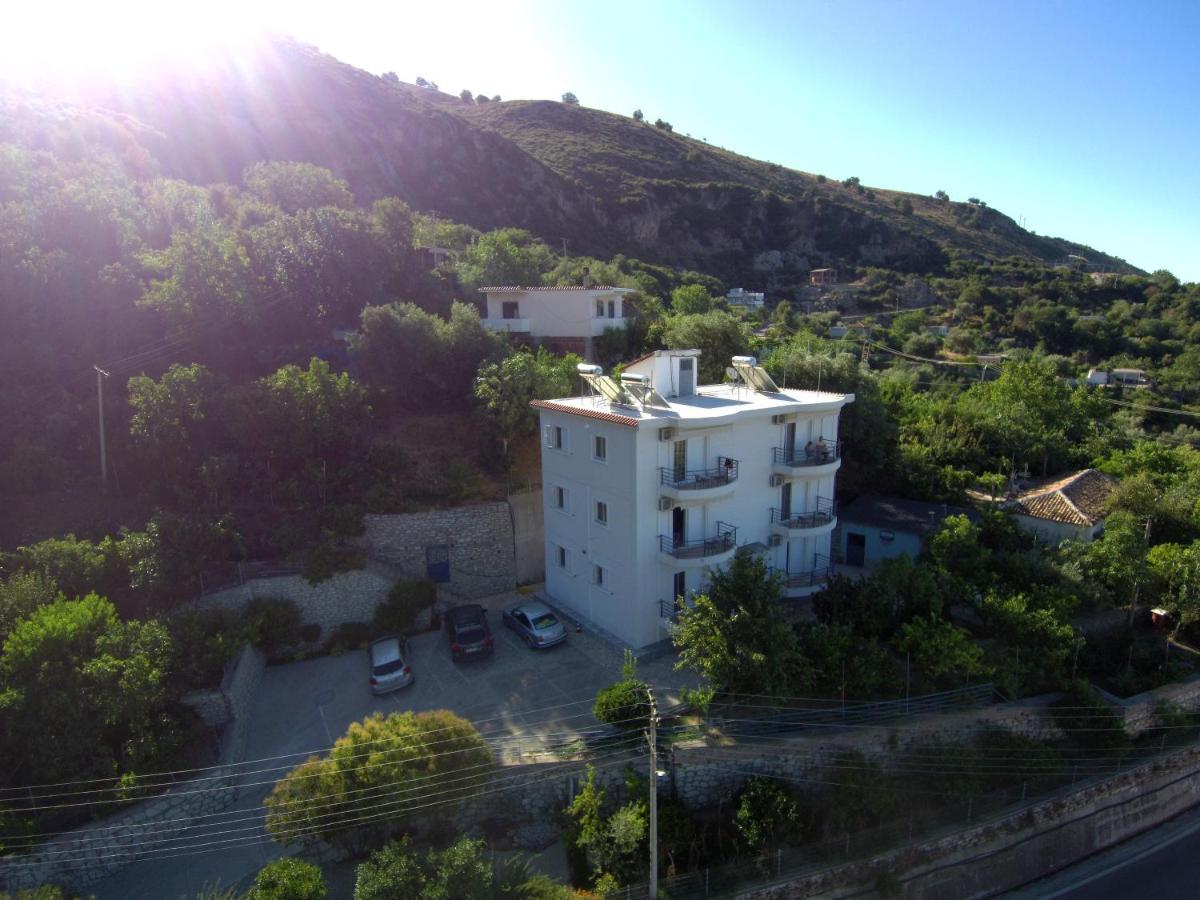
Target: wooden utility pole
652 736
100 376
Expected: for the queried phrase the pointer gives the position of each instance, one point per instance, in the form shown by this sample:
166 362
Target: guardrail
725 540
725 472
816 453
821 571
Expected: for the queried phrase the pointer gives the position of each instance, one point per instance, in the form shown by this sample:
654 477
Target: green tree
717 335
171 422
390 763
507 256
505 389
767 814
625 702
570 99
940 648
21 594
735 635
288 879
638 116
690 299
293 186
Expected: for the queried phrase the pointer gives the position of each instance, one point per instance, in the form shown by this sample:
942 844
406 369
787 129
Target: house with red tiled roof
1070 508
564 319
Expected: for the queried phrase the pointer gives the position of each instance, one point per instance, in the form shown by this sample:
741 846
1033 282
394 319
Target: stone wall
1139 711
478 539
83 856
346 597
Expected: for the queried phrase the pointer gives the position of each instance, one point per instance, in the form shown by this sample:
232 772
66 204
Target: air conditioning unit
776 480
774 540
664 503
781 419
666 434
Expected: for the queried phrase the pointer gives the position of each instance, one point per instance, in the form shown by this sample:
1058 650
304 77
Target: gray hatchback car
390 670
536 623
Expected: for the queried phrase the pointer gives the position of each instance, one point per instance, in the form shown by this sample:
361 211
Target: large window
555 437
510 309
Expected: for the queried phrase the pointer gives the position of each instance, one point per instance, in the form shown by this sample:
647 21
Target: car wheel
530 642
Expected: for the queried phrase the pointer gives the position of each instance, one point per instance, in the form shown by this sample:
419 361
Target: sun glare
114 41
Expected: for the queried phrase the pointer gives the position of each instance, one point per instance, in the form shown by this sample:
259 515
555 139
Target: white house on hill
651 483
564 319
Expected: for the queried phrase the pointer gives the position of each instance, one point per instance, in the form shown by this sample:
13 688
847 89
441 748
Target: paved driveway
302 707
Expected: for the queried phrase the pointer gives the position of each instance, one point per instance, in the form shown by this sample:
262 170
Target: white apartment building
651 483
742 297
564 319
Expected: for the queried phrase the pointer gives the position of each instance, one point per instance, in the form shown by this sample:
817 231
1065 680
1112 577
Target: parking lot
533 695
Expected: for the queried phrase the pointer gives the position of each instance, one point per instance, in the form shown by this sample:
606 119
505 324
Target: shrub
202 644
626 702
767 814
310 632
288 879
324 560
349 636
271 623
404 602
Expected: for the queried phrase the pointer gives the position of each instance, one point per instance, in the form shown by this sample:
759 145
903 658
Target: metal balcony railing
669 609
699 479
816 453
821 572
725 540
823 514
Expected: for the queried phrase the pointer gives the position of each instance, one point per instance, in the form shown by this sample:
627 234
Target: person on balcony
810 450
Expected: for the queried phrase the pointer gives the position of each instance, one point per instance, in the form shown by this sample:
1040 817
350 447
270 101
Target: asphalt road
1163 864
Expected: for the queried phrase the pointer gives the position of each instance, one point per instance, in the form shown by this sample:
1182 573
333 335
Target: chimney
587 278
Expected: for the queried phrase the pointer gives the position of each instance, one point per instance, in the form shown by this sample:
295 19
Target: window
601 512
510 309
599 309
561 557
600 447
560 498
598 576
554 437
680 584
612 309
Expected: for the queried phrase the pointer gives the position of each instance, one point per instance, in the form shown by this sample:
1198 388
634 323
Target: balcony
811 461
601 324
699 484
705 551
800 524
517 326
808 581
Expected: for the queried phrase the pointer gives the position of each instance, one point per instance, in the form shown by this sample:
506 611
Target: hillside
604 182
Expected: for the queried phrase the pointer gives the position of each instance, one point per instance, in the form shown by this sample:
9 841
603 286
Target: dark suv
468 631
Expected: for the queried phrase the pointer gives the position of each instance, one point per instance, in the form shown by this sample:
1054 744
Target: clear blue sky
1080 118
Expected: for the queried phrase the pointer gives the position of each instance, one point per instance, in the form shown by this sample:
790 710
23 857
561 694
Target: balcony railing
699 479
669 609
821 572
725 540
812 454
823 514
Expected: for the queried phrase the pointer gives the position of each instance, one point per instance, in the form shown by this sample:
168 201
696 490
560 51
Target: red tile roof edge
518 289
588 413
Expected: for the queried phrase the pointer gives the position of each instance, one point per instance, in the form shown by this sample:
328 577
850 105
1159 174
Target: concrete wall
83 856
529 537
877 549
1054 533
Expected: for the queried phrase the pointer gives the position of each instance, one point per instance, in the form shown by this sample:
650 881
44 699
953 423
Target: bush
324 560
202 644
288 879
404 603
767 814
349 636
310 632
625 703
272 623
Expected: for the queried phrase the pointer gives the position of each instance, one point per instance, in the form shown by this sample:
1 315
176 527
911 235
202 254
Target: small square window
556 437
560 497
562 557
601 512
600 447
598 576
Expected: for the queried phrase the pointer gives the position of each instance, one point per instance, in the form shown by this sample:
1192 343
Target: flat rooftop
711 405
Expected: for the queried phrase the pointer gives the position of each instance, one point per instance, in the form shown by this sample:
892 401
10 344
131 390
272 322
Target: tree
390 763
288 879
482 98
663 125
391 77
172 418
466 95
503 390
293 186
956 547
717 335
767 814
735 635
939 647
943 196
637 115
21 594
690 299
506 256
83 694
570 98
602 851
626 702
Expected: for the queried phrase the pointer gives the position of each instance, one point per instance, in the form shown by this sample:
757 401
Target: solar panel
756 377
606 387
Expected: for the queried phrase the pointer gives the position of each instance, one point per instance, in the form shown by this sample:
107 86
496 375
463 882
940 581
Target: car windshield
469 634
545 620
388 668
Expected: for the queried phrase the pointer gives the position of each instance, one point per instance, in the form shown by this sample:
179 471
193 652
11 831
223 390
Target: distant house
938 330
1097 377
1135 378
822 276
838 331
1063 509
563 319
747 299
874 528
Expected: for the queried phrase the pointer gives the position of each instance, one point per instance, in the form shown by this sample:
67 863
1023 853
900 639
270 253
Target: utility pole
652 736
100 376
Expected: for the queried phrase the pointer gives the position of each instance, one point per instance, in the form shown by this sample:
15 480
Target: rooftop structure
653 481
1069 508
747 299
565 319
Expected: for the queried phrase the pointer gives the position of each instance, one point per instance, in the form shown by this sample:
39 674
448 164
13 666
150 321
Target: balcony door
679 525
680 460
789 439
687 376
785 500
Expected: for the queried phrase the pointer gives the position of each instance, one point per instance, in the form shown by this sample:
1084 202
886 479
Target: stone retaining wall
85 855
1139 711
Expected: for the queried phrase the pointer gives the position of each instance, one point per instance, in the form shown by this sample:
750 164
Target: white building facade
643 500
564 319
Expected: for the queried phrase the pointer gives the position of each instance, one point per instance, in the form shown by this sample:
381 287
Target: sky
1079 119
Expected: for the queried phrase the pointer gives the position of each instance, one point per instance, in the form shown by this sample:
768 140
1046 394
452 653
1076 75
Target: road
1163 863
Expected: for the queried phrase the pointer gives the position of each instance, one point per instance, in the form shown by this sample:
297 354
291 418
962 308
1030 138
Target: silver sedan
536 623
